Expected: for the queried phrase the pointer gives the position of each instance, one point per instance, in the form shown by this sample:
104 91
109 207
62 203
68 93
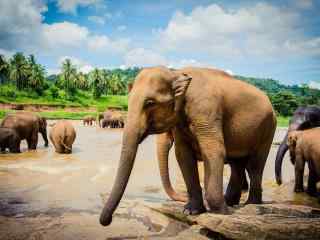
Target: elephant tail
62 141
164 144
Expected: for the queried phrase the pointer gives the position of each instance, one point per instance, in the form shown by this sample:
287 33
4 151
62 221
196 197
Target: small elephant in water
62 135
303 118
88 120
304 146
10 139
27 125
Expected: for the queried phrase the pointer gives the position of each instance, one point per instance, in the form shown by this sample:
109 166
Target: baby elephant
62 135
304 147
9 138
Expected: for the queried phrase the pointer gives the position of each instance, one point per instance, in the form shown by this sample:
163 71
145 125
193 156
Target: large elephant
304 147
303 118
212 115
27 125
62 136
164 143
10 139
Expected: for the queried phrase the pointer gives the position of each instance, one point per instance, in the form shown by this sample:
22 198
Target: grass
9 94
283 121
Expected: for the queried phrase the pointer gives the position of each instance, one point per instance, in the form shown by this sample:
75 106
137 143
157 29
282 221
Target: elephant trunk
164 144
283 148
128 154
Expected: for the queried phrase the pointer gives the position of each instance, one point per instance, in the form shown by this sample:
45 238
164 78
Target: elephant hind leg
237 179
255 167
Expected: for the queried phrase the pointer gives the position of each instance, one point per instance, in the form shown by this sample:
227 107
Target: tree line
26 74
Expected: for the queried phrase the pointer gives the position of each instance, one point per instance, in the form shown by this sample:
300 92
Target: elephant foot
193 208
298 189
255 197
312 193
232 199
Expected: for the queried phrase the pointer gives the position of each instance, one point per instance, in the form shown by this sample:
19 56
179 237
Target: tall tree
69 75
97 84
19 71
4 69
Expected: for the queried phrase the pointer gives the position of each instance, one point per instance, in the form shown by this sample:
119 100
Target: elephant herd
208 116
112 119
19 126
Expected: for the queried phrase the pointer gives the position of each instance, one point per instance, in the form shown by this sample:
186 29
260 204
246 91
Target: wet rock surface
266 221
44 195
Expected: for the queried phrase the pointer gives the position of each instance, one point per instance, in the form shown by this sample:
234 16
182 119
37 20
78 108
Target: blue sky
276 39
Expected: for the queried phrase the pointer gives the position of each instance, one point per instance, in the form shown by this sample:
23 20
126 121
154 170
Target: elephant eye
149 103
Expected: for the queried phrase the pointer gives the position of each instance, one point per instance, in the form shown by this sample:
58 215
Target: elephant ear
130 86
180 86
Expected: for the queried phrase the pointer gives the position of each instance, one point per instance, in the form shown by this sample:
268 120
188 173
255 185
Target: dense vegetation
23 80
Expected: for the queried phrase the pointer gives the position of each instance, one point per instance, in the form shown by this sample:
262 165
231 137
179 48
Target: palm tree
4 69
82 82
69 74
97 83
37 75
19 70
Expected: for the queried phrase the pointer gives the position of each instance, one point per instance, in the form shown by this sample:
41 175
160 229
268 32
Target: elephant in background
10 139
62 136
112 119
215 122
164 143
27 125
88 120
304 146
303 118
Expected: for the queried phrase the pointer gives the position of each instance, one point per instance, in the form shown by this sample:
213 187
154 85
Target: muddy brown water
45 195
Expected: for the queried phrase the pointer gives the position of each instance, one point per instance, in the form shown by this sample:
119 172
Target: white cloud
64 34
122 28
82 66
189 62
20 21
102 43
70 6
314 84
260 29
143 58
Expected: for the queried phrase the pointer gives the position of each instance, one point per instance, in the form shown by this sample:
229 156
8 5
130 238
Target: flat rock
265 221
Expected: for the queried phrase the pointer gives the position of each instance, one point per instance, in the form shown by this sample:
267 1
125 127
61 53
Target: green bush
53 91
8 91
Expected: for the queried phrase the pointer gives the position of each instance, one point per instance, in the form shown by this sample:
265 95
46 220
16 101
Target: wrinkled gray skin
214 120
9 139
27 125
303 118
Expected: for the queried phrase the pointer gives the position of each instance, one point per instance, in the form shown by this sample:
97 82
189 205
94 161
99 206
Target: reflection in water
43 181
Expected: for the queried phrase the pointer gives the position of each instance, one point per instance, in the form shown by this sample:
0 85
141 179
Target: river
45 195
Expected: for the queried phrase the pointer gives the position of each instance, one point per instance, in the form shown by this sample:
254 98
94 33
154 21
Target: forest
23 79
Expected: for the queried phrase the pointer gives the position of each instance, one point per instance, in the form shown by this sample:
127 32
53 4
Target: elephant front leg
213 153
189 168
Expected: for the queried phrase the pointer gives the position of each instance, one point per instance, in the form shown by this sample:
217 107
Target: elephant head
303 118
43 129
155 101
292 142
